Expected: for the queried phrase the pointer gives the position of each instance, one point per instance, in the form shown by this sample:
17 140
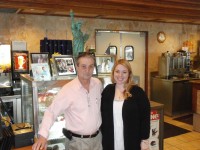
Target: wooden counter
196 104
24 148
196 96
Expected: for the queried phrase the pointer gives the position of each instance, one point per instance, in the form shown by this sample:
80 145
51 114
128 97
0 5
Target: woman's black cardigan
135 114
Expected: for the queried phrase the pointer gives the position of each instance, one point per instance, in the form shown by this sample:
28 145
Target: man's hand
40 144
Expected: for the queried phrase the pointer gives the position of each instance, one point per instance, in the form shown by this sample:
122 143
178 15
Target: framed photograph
129 52
105 63
41 71
39 58
64 65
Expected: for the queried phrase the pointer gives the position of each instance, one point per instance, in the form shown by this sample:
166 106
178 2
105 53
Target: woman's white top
118 125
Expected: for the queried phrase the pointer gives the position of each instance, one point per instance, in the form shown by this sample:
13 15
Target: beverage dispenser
176 64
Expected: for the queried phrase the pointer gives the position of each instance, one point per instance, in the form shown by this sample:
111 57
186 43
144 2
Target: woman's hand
144 145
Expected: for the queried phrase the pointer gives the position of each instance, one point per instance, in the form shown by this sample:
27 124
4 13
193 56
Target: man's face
85 68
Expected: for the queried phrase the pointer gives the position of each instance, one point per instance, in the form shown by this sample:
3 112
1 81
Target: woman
125 112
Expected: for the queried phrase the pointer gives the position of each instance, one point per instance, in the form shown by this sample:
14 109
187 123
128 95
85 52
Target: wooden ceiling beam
108 9
154 10
104 3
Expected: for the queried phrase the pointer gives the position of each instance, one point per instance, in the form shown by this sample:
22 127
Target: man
79 101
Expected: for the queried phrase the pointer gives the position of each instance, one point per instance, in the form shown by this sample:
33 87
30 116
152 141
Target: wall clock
161 37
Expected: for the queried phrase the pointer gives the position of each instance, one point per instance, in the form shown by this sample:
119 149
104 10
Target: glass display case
36 97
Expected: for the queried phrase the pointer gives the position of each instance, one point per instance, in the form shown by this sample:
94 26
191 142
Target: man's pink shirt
81 108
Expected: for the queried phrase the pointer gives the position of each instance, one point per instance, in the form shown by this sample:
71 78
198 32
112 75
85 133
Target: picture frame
41 71
105 63
37 58
19 63
129 52
64 65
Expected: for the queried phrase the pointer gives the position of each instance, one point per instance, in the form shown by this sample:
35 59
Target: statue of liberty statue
79 38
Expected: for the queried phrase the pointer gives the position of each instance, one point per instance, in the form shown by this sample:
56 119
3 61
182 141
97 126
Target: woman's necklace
119 94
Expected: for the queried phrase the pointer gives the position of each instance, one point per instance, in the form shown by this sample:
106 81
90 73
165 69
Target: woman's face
121 74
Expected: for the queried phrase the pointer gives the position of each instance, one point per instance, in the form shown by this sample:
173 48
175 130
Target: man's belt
85 136
69 134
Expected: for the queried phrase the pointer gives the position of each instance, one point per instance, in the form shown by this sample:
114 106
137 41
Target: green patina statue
79 38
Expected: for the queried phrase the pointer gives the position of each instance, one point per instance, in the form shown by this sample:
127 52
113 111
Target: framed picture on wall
129 52
64 65
105 63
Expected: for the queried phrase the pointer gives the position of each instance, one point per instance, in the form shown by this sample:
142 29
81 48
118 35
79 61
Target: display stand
157 123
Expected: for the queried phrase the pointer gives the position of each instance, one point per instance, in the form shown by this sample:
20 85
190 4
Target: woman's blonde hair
129 83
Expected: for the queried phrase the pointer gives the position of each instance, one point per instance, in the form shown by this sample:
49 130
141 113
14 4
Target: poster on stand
154 130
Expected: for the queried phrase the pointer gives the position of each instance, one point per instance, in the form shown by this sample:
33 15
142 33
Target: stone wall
33 28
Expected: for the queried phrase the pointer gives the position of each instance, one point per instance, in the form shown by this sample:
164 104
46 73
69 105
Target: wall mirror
137 40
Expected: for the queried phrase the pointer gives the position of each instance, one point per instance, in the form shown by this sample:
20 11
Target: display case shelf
36 97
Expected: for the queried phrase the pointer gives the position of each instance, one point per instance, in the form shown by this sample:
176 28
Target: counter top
176 79
155 104
195 81
23 148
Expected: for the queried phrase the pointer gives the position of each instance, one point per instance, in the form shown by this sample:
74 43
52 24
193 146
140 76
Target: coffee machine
174 64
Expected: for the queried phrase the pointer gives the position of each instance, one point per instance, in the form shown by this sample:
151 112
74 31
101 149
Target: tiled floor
188 141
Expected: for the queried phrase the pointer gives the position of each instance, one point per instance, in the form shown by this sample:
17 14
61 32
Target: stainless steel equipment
5 84
176 64
175 94
13 105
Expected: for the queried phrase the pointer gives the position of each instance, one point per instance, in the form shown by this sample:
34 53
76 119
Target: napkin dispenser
23 134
